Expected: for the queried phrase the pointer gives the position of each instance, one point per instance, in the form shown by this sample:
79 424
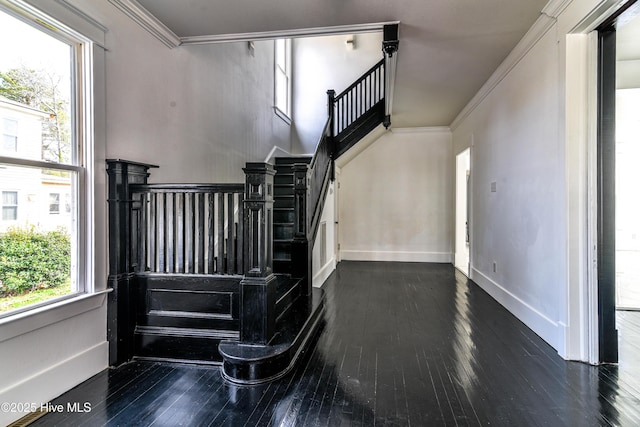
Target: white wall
531 132
396 198
199 112
320 64
321 271
520 226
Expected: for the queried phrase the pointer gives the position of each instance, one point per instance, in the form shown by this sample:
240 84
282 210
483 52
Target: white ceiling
448 48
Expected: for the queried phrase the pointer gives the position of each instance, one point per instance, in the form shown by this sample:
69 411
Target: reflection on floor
402 344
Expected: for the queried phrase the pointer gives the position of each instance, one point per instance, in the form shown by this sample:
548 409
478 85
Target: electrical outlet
494 187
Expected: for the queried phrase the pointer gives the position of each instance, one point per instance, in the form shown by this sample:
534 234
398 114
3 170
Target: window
54 203
9 205
43 76
9 135
283 78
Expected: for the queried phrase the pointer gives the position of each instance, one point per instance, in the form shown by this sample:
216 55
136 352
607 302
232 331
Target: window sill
27 321
282 115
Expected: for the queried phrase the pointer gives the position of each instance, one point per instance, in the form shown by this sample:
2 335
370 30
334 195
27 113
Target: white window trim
284 115
82 106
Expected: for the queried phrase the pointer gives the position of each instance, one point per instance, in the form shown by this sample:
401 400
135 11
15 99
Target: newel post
300 245
122 257
257 288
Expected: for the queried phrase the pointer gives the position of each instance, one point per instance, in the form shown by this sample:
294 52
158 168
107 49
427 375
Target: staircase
221 273
284 212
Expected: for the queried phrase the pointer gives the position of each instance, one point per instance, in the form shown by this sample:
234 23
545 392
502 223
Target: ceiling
448 48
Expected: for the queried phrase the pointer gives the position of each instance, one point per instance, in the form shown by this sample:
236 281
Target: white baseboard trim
398 256
547 329
46 385
324 273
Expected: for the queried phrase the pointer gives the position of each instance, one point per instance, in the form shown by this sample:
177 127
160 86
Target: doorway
618 175
463 180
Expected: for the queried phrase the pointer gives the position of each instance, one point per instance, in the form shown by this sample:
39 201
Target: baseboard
324 273
46 385
398 256
547 329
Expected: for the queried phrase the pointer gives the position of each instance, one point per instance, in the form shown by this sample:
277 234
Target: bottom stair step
188 344
255 364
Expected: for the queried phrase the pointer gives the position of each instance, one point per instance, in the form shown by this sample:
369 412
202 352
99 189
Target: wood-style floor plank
402 345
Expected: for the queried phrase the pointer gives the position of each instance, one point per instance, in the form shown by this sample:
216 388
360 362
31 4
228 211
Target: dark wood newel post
257 288
121 311
300 245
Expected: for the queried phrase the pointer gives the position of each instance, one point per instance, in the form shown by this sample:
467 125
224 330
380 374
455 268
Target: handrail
361 78
188 188
359 98
325 132
317 179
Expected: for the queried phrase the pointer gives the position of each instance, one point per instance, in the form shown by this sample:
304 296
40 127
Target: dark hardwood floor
402 345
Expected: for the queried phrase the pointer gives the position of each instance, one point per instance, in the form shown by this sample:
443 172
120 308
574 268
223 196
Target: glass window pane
9 143
42 247
281 92
9 198
36 82
54 203
9 213
281 59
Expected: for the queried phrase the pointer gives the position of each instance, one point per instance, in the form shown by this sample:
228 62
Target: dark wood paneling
607 332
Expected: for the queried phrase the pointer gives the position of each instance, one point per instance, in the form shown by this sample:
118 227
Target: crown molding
554 8
82 15
426 129
149 22
153 25
543 24
287 34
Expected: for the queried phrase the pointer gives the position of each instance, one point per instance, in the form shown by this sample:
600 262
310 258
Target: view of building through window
38 227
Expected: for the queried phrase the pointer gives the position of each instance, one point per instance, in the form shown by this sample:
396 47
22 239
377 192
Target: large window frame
81 165
282 79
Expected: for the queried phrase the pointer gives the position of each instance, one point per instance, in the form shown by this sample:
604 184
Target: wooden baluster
169 232
180 246
142 248
211 234
220 230
231 256
200 233
240 234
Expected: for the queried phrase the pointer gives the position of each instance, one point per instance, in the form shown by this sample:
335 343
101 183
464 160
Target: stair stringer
361 145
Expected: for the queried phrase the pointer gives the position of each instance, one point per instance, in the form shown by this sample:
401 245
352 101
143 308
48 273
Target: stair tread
186 332
190 314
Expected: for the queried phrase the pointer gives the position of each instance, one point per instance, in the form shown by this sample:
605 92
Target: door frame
468 197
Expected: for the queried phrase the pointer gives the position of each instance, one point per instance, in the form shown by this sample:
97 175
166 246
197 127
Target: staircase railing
359 97
188 228
318 177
